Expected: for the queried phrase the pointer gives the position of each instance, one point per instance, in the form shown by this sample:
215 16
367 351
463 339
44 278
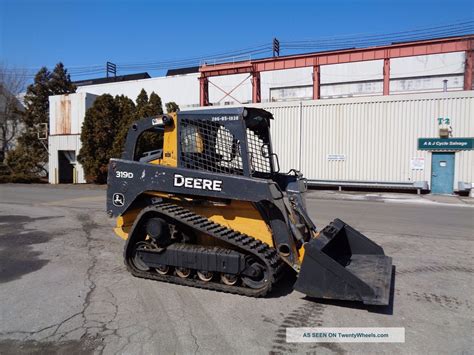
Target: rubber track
262 251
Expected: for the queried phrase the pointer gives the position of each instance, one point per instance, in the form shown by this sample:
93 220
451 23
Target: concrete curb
426 200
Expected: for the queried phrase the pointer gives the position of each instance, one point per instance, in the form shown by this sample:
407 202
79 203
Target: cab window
149 145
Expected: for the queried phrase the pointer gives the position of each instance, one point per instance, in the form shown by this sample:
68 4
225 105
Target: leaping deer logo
118 200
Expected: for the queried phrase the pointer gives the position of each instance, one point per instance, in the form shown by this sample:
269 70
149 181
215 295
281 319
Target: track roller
183 272
229 279
163 269
205 275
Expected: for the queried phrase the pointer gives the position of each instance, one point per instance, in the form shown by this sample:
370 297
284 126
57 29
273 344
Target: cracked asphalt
64 288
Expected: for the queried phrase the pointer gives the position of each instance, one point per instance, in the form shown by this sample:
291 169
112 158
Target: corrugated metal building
365 141
422 73
373 141
374 121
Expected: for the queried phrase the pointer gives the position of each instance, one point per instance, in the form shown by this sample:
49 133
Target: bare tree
12 84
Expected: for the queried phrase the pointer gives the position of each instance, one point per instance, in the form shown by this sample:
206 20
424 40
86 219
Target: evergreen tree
146 108
125 117
31 154
105 129
156 107
60 81
172 107
97 136
142 108
36 99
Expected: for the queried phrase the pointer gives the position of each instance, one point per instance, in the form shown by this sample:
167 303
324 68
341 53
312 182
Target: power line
380 40
382 35
462 27
335 42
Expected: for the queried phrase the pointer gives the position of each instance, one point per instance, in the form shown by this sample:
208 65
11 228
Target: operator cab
227 141
232 141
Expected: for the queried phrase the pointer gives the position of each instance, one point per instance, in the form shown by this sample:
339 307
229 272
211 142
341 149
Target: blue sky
87 33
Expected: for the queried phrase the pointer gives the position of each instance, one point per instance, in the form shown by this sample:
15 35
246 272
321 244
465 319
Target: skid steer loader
207 207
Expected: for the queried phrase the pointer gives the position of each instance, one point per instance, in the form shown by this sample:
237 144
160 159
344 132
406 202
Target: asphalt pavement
64 288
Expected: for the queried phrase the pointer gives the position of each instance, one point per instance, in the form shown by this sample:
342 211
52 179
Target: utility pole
276 47
111 68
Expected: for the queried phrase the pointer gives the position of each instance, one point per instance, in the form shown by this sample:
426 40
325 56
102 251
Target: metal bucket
342 263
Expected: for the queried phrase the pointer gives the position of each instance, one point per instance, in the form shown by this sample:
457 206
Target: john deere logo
197 183
118 200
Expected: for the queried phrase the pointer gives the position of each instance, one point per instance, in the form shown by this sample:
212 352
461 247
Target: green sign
445 143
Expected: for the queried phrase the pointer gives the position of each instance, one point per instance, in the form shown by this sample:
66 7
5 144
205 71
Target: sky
86 34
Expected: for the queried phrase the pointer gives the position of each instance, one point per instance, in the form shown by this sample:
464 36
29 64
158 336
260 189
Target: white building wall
408 75
422 65
290 84
66 115
347 72
352 79
182 89
67 112
424 73
377 136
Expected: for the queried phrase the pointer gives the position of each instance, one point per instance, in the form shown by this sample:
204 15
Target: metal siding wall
378 135
286 134
464 161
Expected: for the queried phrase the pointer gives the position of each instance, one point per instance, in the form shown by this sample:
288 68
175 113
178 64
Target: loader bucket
343 264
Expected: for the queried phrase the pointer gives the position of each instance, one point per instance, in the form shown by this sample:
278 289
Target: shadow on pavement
17 256
82 346
359 305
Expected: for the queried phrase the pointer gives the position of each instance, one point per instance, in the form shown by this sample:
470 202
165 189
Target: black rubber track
181 216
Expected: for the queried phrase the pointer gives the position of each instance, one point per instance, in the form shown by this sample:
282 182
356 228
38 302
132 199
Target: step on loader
206 206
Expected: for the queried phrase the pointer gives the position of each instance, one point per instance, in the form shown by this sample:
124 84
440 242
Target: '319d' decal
124 174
